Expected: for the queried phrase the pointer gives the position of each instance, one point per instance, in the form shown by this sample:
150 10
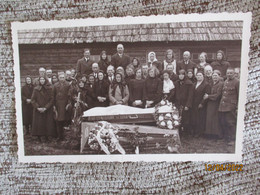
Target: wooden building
60 48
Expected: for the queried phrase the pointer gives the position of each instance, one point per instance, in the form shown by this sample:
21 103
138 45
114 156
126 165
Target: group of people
206 94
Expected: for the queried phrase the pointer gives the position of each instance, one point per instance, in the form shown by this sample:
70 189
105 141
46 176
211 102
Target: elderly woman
27 108
136 90
202 64
118 91
208 74
101 90
220 63
152 88
43 117
170 60
212 121
198 115
152 61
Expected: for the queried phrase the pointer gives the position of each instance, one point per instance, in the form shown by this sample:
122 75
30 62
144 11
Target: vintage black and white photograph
136 88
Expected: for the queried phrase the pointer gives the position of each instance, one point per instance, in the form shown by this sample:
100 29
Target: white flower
168 115
170 127
163 102
169 123
176 123
163 123
175 117
160 117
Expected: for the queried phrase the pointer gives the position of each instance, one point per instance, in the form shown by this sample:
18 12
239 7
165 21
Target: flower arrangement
136 139
173 143
166 115
103 137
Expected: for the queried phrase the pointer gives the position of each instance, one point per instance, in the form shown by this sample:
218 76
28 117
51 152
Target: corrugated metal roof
181 31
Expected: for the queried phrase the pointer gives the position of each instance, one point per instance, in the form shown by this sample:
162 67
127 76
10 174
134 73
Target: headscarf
149 54
223 54
121 85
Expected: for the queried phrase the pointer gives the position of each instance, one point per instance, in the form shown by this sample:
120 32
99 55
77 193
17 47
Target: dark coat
136 91
222 66
230 92
212 119
84 67
27 91
103 64
123 61
73 95
190 65
61 97
153 90
90 96
156 64
198 115
183 93
101 90
209 80
43 123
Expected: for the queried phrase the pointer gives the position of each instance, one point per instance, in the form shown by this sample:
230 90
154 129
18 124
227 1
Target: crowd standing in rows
206 95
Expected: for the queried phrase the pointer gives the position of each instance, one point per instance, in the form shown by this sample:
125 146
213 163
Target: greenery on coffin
167 115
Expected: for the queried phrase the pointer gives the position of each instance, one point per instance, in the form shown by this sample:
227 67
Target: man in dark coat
120 59
183 99
110 74
186 63
84 65
27 91
61 97
228 106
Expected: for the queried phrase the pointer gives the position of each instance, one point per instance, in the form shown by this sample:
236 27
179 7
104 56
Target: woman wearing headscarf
168 86
212 121
152 61
152 88
78 91
118 91
43 115
183 100
190 76
198 115
103 62
170 60
27 108
136 90
101 90
220 63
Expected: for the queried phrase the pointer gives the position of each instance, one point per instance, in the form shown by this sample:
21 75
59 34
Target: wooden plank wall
64 56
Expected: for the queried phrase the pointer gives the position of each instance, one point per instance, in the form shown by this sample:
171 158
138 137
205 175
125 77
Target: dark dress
90 96
153 90
183 98
222 66
198 115
136 91
212 120
43 123
128 79
103 64
101 90
156 64
27 91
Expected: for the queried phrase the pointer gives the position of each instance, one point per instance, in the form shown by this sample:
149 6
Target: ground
188 145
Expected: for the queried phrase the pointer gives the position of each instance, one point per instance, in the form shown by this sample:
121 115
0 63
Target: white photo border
221 157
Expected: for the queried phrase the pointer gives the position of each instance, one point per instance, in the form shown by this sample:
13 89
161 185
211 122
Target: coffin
122 114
